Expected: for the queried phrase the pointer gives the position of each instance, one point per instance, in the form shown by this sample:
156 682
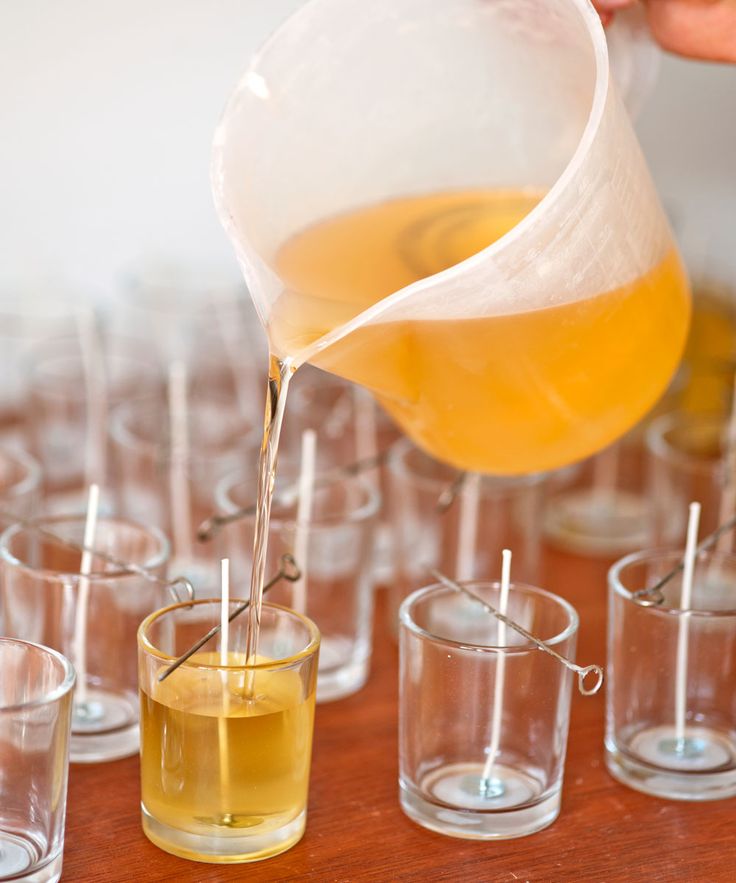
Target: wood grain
356 831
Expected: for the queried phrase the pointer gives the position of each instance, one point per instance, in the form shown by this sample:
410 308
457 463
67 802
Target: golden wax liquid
222 765
505 394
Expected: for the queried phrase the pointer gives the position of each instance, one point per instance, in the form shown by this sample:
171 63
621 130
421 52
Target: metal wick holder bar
180 582
653 595
581 671
289 570
210 526
449 494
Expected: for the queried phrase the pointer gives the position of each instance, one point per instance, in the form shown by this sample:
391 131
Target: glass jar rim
658 443
145 644
48 383
363 512
123 435
158 558
406 620
617 586
498 485
65 686
31 478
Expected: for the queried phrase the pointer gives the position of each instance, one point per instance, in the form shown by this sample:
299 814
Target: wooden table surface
356 830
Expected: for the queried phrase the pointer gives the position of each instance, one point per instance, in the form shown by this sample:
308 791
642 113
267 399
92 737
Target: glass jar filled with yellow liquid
226 746
446 203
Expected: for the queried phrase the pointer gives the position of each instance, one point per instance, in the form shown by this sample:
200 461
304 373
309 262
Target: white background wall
107 109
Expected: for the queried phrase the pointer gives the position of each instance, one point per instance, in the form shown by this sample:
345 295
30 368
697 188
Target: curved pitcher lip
595 31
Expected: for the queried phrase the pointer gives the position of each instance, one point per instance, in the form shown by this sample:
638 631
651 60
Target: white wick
181 515
240 367
224 610
366 434
222 735
605 474
80 619
304 516
686 592
467 529
728 493
95 389
498 688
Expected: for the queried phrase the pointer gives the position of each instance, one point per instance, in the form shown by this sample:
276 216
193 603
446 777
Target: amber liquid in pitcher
509 393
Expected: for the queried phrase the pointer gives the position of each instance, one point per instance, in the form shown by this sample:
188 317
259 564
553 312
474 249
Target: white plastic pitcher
540 348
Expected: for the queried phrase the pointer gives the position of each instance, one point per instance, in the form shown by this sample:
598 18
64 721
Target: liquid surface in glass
503 394
212 764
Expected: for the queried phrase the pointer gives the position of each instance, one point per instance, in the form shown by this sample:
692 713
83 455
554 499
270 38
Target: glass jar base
592 522
20 860
341 679
472 822
104 727
700 766
100 747
251 847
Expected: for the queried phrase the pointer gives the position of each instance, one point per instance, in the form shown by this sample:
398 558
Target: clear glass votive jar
671 690
345 416
35 715
150 485
688 460
20 486
483 722
710 356
226 746
20 491
353 428
601 507
231 374
185 309
336 589
69 403
434 526
92 620
29 316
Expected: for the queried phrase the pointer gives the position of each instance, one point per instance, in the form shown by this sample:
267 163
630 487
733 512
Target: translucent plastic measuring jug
445 202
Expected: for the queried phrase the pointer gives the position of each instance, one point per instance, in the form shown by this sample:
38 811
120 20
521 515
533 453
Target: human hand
704 29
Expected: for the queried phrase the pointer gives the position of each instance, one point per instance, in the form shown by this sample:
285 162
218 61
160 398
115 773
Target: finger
696 28
607 8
